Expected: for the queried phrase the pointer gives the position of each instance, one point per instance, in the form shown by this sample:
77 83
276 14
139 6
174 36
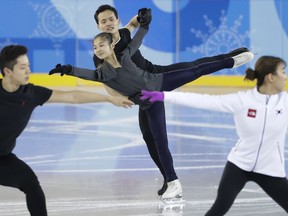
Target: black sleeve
41 94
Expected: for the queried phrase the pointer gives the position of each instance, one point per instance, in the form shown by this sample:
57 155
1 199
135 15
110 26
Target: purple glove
152 95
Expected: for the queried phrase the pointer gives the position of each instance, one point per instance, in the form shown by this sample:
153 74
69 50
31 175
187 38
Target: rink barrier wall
69 81
212 80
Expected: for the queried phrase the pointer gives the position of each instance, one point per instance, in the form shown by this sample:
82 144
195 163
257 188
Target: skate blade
175 208
172 206
173 200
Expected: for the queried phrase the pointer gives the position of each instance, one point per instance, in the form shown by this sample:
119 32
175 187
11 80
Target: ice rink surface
91 160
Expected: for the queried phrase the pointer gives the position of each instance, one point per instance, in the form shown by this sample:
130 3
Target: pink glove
152 95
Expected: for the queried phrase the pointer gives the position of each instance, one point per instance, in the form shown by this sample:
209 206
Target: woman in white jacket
261 119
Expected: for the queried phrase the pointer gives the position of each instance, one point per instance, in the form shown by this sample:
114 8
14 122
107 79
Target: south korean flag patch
252 113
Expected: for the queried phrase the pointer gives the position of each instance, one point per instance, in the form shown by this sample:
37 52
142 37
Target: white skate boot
173 194
242 59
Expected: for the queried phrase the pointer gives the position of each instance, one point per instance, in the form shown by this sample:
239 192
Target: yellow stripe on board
210 80
57 80
53 80
219 80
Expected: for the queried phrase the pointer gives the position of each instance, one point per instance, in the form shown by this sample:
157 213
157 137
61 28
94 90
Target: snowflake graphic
51 23
219 40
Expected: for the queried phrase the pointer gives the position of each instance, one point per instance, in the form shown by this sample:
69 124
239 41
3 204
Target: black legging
142 116
234 179
149 140
15 173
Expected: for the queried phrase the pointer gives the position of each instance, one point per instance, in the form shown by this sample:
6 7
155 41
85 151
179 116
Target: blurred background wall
61 31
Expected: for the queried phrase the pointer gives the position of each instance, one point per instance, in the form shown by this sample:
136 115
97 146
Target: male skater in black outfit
18 99
107 20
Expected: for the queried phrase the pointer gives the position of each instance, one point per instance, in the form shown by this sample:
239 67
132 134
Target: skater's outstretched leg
177 79
190 64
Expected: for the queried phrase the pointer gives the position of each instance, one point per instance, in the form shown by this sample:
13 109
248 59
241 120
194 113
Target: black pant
142 116
149 140
16 173
234 179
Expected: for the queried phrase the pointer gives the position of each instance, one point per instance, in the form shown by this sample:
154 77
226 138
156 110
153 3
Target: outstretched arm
113 92
222 103
80 97
87 74
132 24
144 104
74 71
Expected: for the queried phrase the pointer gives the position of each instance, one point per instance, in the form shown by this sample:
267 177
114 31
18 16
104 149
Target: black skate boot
163 189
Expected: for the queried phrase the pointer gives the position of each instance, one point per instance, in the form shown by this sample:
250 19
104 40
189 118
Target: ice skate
237 52
242 59
173 194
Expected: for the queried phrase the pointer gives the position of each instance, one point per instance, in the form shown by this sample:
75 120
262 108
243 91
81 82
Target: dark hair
103 8
9 54
105 36
263 66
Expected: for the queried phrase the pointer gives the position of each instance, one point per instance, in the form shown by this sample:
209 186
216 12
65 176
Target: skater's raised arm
139 19
144 18
132 24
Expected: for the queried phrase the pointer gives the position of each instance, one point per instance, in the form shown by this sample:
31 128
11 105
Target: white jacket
261 124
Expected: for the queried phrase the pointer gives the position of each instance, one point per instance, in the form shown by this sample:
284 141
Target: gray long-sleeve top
128 79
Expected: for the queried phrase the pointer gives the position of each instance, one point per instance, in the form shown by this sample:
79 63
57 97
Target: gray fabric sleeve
84 73
136 41
105 73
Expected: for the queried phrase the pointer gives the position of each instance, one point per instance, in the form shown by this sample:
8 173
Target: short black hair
103 8
9 54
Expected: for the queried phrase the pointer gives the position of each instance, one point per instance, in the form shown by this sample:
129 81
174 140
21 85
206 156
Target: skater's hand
62 69
144 17
121 101
152 96
144 104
